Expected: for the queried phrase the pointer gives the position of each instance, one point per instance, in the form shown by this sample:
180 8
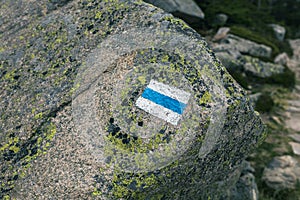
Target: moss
177 22
267 40
264 103
286 79
242 80
206 98
96 192
142 79
38 116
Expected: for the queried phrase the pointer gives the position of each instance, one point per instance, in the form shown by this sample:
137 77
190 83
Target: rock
220 19
293 121
186 7
281 59
260 68
246 188
295 45
73 126
276 119
229 59
222 33
242 45
282 173
295 147
279 31
296 137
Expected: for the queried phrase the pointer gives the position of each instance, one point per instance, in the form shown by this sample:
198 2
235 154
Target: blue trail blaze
163 100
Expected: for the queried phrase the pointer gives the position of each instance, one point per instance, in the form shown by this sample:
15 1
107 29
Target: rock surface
71 72
282 173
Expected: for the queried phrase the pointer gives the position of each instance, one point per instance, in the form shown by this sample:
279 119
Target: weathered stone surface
70 77
282 173
244 46
187 7
279 31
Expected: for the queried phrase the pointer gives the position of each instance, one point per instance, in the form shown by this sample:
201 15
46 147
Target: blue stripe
163 100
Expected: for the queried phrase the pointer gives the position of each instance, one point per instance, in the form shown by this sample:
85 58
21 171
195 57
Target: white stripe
158 111
167 90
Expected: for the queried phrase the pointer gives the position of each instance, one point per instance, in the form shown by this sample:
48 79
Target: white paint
170 91
158 111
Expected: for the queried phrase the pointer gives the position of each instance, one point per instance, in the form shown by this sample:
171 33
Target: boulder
259 68
115 100
279 31
242 45
220 19
282 173
179 7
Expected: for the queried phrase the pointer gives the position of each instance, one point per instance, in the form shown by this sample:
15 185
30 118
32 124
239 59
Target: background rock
243 46
281 59
279 31
295 147
245 188
220 19
260 68
282 173
221 34
186 9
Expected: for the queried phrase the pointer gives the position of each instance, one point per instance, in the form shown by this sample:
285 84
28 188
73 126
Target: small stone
276 119
222 33
281 59
220 19
279 31
295 147
296 137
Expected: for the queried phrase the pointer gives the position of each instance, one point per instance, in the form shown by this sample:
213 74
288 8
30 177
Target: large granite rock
244 46
72 74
